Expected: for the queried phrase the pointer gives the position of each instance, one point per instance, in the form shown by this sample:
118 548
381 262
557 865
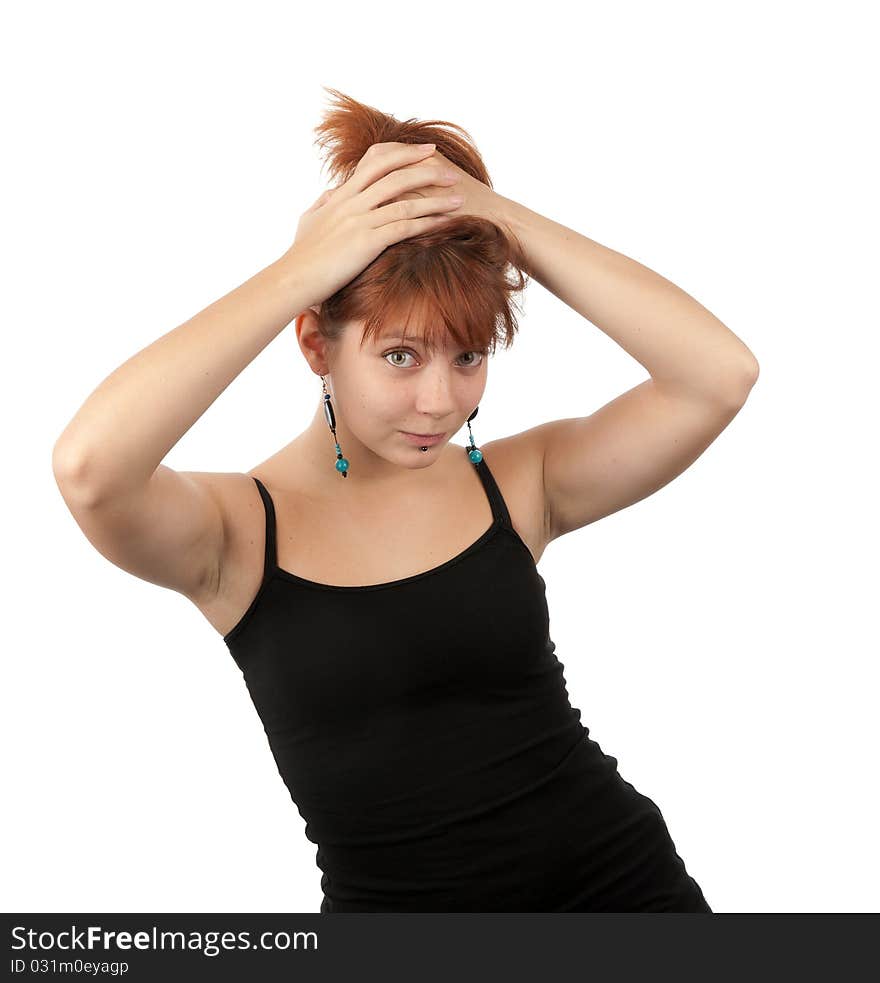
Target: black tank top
423 729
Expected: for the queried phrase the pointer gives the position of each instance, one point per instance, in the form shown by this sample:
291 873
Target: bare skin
401 511
327 540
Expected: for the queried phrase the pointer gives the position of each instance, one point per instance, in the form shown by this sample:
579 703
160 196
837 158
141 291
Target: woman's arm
164 526
701 373
681 344
120 435
675 338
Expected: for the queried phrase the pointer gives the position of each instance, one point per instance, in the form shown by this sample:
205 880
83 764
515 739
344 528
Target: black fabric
424 731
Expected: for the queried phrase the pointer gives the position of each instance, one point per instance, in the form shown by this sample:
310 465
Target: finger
414 209
379 160
406 228
426 175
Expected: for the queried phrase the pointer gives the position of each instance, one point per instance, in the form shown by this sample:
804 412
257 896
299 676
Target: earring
341 463
473 453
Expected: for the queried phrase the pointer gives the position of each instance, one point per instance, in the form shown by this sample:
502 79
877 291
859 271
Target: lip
423 439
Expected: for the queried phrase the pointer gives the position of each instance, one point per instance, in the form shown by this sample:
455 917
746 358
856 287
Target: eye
398 351
467 364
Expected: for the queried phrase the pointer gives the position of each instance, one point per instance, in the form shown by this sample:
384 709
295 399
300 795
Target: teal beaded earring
473 453
341 463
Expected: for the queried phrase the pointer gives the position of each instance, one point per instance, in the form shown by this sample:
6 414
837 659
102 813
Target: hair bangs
434 309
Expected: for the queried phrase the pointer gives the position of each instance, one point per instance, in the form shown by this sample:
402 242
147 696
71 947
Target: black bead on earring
341 463
473 453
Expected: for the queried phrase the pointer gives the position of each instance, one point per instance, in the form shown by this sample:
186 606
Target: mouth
423 438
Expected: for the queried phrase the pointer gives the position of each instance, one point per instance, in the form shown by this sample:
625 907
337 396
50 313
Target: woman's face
389 386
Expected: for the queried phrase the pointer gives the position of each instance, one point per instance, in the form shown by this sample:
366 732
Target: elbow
752 372
745 380
68 462
69 467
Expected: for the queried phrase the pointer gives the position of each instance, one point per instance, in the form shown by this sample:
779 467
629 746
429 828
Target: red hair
453 279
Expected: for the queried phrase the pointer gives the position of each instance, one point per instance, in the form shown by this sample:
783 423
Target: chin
411 457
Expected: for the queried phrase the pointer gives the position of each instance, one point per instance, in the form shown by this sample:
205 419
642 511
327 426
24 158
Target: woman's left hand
479 200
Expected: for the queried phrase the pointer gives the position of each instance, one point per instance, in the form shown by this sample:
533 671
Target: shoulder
226 487
238 567
517 464
517 457
236 495
526 447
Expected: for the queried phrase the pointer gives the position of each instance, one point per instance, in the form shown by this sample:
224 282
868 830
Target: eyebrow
398 336
387 336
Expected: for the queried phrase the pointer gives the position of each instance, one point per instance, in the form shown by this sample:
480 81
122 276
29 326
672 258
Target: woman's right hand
350 225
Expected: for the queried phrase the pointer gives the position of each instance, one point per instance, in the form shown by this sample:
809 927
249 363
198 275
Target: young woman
375 582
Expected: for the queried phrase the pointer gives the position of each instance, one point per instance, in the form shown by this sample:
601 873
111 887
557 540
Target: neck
367 470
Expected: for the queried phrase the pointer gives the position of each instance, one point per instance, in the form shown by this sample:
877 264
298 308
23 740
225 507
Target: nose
435 398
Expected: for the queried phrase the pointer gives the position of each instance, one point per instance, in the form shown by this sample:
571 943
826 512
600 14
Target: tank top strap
269 555
493 492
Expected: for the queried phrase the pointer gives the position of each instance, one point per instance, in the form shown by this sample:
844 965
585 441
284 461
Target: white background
719 637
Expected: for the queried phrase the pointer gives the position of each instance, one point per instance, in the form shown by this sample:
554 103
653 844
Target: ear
312 343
